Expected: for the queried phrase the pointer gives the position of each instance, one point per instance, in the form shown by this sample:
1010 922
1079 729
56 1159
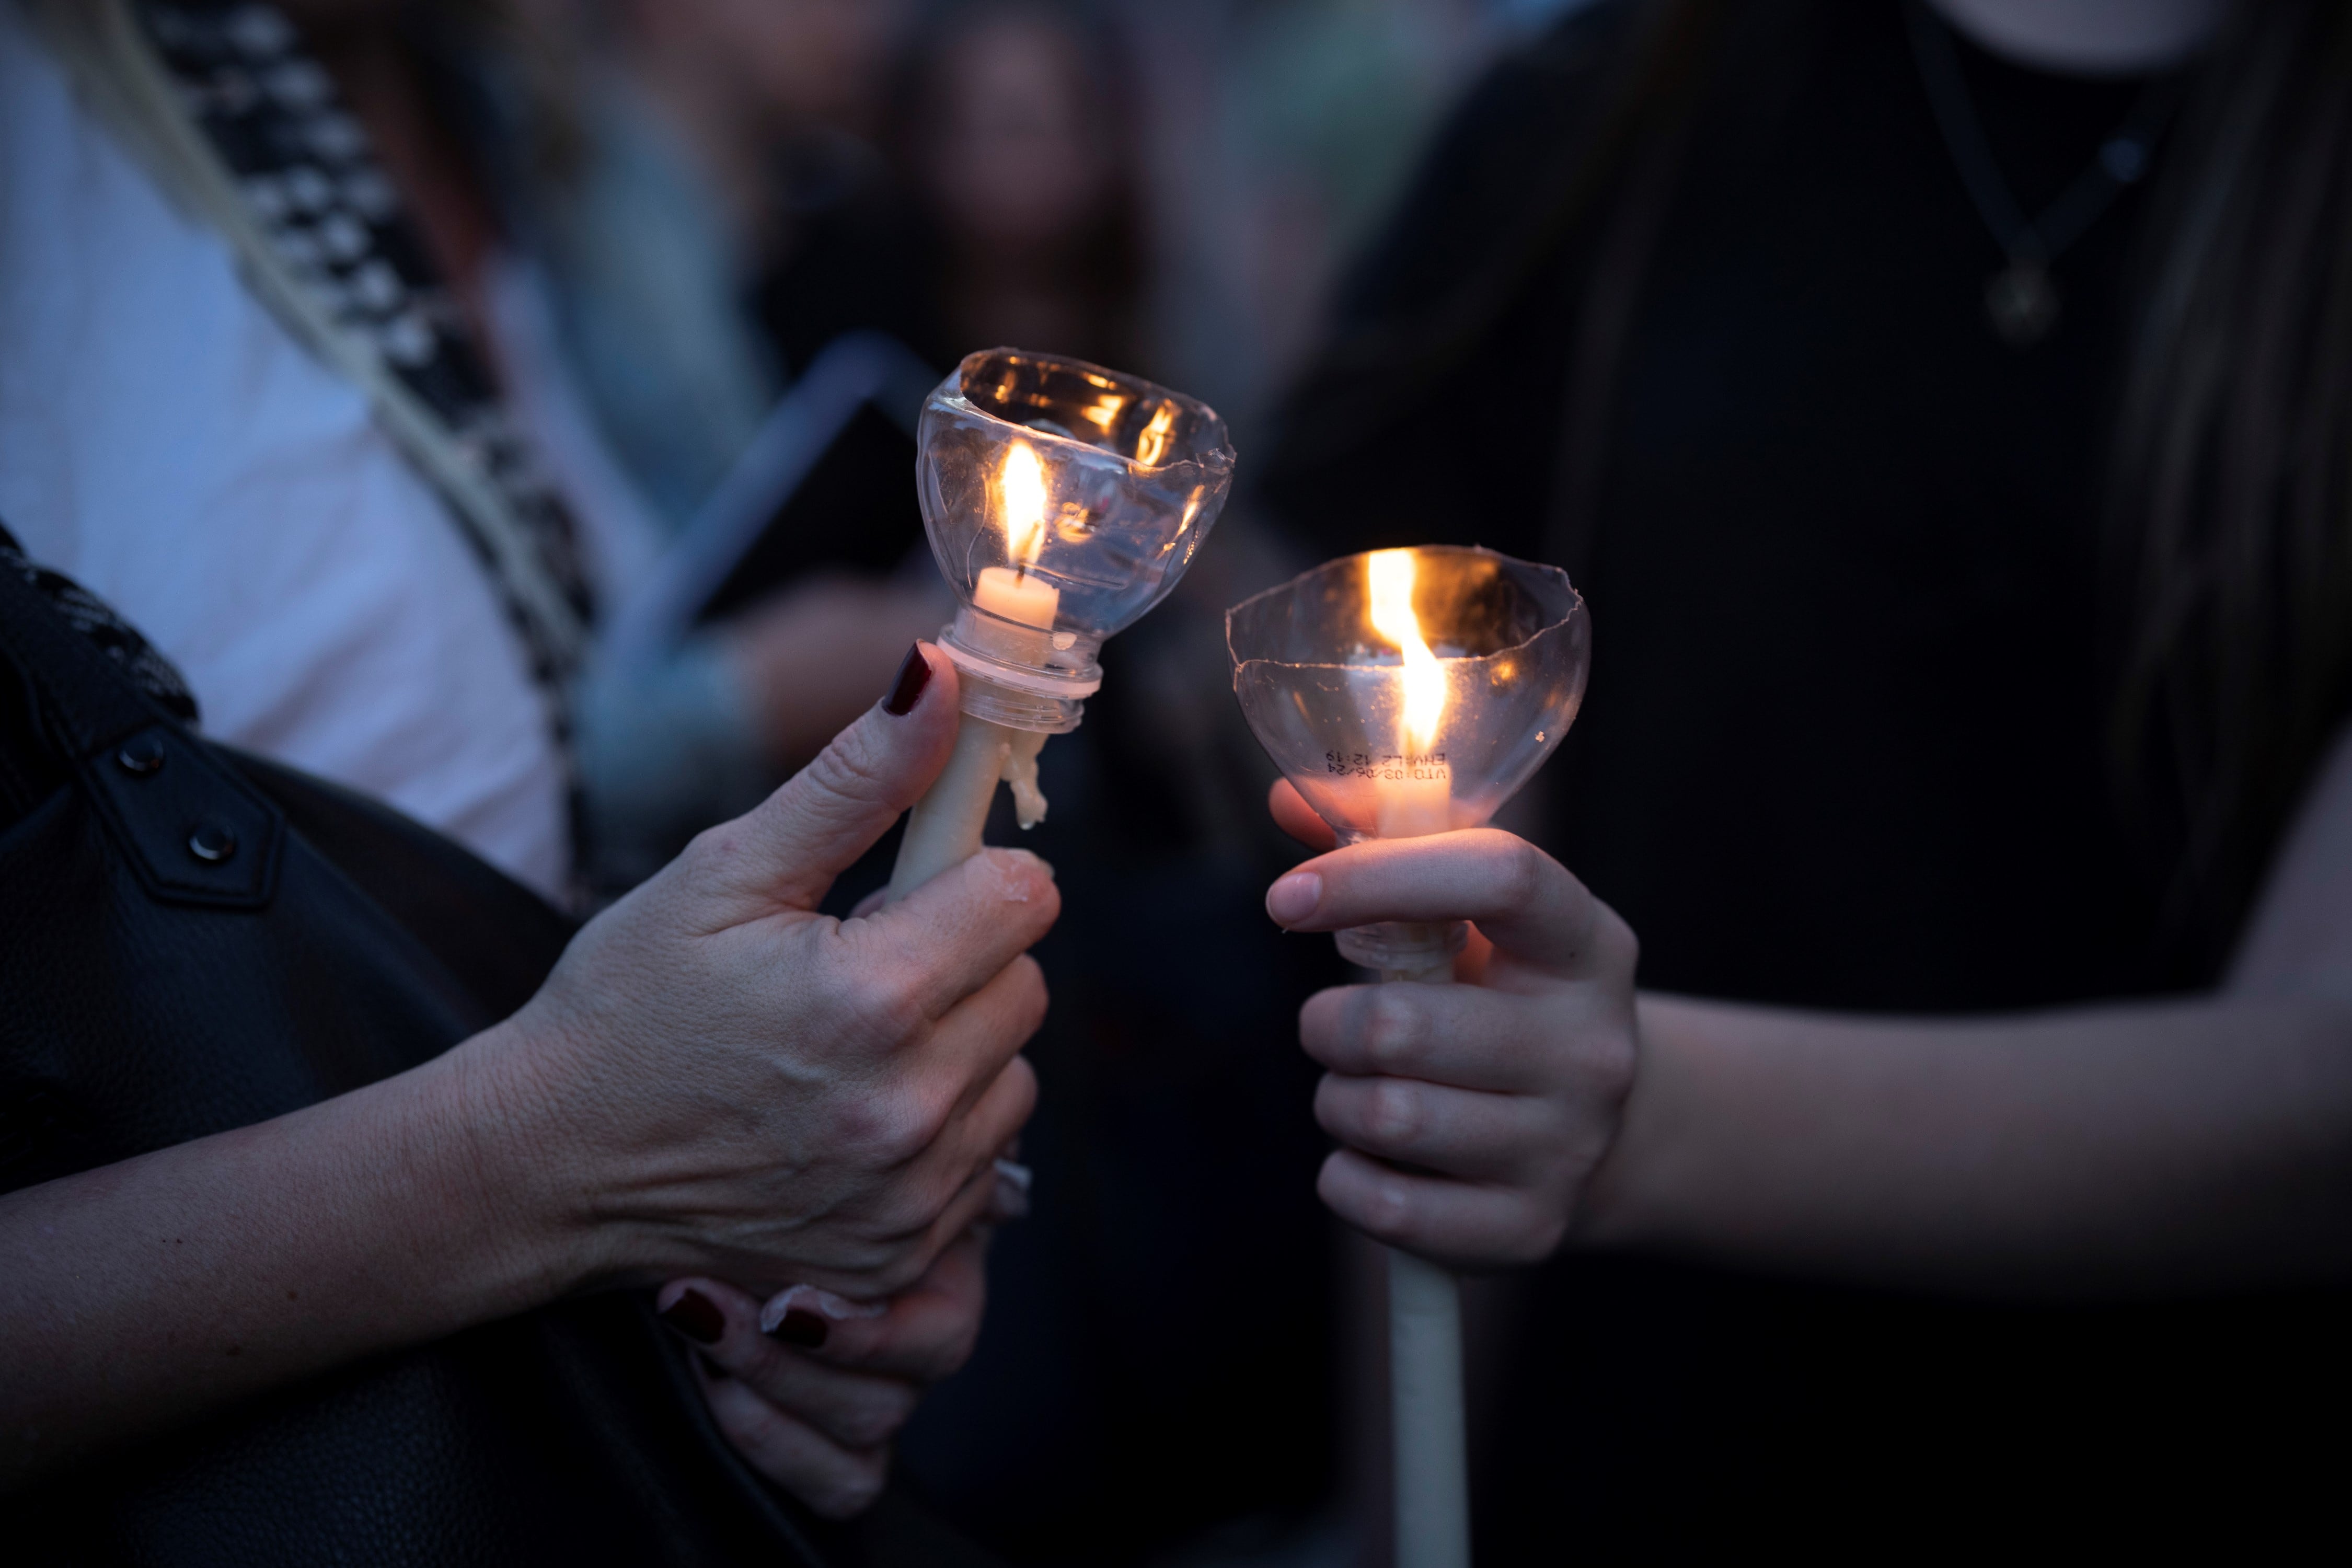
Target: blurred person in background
1943 409
649 151
644 166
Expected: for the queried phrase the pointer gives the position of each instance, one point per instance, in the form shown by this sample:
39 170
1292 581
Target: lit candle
945 826
1017 596
1413 785
1010 591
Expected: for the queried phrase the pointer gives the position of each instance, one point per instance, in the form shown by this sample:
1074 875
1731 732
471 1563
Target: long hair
2230 496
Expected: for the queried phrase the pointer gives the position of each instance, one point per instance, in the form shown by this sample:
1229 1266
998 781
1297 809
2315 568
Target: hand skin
714 1081
2118 1150
1470 1116
818 1420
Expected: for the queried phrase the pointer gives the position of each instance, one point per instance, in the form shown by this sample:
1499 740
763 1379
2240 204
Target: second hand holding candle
1386 738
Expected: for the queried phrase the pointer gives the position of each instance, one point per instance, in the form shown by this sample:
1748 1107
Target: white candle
1017 596
1413 795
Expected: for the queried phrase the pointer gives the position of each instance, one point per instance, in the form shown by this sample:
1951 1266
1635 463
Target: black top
1842 748
1843 745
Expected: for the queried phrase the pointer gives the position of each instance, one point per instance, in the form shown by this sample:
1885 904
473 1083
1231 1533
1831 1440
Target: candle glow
1021 498
1021 502
1389 576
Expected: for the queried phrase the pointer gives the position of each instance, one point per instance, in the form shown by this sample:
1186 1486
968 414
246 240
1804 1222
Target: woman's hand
811 1387
814 1402
718 1080
1473 1116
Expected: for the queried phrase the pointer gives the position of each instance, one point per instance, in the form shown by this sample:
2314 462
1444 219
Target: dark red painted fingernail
802 1328
908 689
695 1316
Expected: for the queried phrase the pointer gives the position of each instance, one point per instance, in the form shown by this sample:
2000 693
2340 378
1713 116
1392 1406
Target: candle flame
1388 579
1021 503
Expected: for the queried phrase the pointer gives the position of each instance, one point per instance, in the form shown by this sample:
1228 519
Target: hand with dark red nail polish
813 1403
697 1317
801 1326
906 689
689 1097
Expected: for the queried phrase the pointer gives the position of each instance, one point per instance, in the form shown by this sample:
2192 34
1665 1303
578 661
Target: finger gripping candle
1062 501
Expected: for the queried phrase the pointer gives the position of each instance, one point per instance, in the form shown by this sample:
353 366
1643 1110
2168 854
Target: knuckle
708 852
878 1416
905 1266
850 1493
849 766
1537 1238
893 1127
1021 1000
955 1352
751 1424
1519 874
915 1204
1022 1094
1620 947
1392 1028
1618 1059
1389 1211
1393 1114
1377 1204
884 999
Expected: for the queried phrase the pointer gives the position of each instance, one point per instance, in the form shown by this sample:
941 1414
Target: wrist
1608 1207
510 1198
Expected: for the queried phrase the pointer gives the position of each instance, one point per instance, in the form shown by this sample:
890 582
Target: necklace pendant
2021 303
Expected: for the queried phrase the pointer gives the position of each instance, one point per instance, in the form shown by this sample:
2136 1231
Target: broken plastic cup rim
1326 694
1133 477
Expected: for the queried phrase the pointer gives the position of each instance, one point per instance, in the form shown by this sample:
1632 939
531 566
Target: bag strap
192 831
517 528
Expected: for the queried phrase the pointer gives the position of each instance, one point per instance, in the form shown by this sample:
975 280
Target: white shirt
164 442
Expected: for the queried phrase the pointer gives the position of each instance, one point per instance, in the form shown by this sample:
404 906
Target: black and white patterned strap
243 128
332 222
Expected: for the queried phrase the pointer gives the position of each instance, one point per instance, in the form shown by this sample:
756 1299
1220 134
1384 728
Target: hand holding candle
1471 1117
1404 693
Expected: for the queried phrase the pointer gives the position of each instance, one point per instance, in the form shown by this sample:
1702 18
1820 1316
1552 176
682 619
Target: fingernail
802 1328
695 1316
1295 897
908 689
1011 1199
823 1305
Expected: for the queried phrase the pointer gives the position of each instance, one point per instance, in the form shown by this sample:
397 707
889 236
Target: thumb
788 850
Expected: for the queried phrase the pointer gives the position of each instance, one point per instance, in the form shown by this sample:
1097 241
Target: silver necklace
2020 301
